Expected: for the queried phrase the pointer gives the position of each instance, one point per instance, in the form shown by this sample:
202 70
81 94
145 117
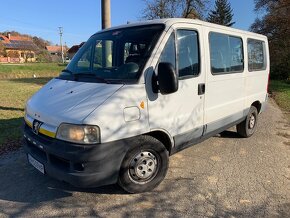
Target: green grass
281 93
16 86
8 71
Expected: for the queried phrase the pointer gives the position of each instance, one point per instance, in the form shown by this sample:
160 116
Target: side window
226 54
188 53
256 55
168 53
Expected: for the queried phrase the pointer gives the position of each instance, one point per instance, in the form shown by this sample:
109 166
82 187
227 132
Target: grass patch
14 71
281 93
17 85
13 95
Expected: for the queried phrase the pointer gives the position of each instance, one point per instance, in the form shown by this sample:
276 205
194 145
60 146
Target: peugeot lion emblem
36 126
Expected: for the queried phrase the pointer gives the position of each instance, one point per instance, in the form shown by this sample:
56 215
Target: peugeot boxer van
135 94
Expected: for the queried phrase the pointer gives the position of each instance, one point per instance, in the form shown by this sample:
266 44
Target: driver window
188 53
168 54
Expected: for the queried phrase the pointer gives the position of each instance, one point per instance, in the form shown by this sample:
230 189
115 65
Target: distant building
73 50
18 49
55 51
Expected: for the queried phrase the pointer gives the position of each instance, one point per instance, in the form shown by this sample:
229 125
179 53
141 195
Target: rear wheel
144 166
248 127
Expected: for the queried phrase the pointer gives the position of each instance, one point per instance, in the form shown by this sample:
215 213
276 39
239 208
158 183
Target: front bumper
79 165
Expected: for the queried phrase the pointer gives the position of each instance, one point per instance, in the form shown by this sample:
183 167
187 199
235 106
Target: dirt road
225 176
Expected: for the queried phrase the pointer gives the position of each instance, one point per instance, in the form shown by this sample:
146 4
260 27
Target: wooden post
106 14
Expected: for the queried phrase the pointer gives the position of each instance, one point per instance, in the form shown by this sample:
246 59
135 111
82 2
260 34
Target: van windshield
115 56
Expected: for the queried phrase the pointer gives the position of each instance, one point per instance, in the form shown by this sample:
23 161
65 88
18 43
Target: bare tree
173 8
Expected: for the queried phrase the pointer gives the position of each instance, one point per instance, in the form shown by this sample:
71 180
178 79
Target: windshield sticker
116 33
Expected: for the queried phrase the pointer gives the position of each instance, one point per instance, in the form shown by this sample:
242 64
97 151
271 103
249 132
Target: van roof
170 21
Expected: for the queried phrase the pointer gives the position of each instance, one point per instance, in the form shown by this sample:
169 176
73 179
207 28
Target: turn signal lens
142 104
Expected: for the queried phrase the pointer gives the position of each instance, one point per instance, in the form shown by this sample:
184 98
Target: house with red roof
18 49
73 50
55 51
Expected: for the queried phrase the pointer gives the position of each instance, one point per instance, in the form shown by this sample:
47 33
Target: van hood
68 101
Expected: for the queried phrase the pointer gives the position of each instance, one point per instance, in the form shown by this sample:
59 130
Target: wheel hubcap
252 121
143 166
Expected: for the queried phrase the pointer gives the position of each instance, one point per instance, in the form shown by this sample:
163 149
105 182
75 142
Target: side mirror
167 79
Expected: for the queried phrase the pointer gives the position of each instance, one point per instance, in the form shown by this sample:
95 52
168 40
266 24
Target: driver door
181 114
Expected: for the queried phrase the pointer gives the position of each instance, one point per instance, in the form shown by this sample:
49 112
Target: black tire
144 166
248 127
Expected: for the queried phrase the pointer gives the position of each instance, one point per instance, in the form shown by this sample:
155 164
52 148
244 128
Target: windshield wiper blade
67 71
91 75
77 75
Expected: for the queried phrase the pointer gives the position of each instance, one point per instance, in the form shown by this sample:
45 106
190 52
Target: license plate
37 165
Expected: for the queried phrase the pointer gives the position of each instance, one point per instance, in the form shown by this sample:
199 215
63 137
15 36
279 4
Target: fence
9 60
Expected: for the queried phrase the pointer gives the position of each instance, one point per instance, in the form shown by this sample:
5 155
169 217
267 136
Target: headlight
79 133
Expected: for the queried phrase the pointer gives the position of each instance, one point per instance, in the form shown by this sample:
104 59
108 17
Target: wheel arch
258 105
163 137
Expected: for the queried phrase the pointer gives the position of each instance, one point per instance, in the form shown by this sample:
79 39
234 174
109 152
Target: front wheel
248 127
144 166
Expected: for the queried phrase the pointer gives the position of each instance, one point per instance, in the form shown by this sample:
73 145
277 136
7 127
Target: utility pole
106 23
106 14
60 39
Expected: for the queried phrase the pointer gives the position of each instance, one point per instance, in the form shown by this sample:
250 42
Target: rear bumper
79 165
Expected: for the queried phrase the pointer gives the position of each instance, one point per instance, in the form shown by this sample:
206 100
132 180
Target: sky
81 19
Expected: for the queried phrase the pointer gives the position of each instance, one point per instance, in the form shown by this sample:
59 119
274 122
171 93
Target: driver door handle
201 89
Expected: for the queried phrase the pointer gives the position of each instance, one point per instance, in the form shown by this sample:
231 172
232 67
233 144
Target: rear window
256 55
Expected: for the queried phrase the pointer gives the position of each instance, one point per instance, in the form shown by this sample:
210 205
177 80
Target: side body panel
230 95
188 117
225 93
122 116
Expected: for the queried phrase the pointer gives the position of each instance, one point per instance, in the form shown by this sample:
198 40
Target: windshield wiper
77 75
67 71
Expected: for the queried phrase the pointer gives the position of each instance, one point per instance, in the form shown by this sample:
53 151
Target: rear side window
226 54
256 55
188 53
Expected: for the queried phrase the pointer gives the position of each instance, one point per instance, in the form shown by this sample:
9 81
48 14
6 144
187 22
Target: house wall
22 56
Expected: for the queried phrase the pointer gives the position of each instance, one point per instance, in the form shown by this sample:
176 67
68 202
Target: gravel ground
225 176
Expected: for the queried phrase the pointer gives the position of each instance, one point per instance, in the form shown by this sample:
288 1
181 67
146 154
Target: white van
134 95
